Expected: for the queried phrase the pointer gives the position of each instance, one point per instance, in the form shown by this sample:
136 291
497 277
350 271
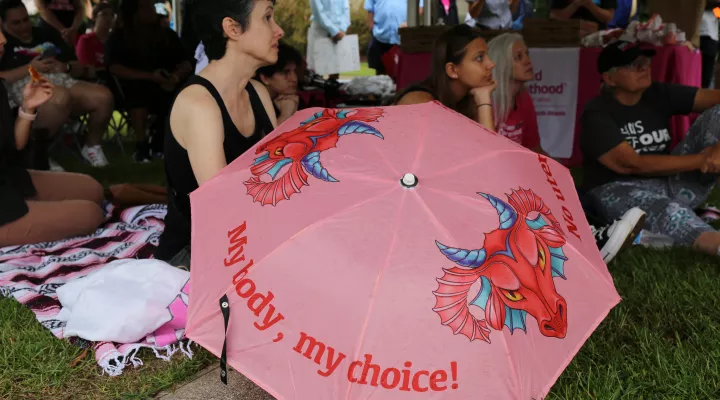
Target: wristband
25 115
484 104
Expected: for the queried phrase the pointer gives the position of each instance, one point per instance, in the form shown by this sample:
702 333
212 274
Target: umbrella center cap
409 180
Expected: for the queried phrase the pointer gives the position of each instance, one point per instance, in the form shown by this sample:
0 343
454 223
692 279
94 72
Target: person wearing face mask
461 76
220 113
281 81
626 146
516 119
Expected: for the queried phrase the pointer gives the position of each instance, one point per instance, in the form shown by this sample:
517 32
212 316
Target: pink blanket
31 274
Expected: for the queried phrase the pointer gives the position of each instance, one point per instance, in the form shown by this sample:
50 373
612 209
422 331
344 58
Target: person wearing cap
626 146
598 11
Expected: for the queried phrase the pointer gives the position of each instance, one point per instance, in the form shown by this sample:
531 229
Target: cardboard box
551 33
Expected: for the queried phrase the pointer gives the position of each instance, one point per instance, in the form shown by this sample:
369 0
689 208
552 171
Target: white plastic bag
122 302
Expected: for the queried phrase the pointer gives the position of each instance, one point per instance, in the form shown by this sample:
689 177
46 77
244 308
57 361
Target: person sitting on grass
49 54
516 119
150 64
461 76
281 81
626 146
221 113
39 206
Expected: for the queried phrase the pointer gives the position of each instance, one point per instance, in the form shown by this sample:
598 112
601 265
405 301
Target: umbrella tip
409 180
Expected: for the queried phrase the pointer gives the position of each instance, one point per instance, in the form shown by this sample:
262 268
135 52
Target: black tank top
180 177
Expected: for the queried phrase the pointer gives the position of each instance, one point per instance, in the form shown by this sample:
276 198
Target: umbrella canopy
394 253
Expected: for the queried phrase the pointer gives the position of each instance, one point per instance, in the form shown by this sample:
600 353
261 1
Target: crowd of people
203 121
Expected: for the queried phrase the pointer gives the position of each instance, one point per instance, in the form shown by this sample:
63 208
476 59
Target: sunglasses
639 64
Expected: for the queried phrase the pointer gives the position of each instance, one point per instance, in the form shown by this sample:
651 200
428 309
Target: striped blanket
31 274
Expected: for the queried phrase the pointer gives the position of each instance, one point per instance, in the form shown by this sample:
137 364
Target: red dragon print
300 149
513 273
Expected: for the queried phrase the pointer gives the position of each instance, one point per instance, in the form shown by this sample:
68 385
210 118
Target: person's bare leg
139 122
55 113
708 243
97 101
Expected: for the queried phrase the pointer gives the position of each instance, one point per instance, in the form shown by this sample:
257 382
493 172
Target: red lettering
416 381
241 274
368 365
351 371
437 377
572 228
406 377
395 381
237 242
243 283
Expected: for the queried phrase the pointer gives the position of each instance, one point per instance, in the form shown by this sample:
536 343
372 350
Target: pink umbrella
394 253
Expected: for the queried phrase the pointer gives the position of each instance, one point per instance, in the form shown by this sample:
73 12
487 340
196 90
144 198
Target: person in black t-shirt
625 141
150 64
599 11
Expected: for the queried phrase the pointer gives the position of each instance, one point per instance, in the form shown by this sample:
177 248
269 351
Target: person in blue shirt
330 18
385 18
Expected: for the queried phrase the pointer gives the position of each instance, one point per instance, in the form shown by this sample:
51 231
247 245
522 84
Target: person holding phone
150 63
50 55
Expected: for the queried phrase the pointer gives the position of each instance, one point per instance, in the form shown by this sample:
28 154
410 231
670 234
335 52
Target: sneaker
621 233
54 166
142 153
95 156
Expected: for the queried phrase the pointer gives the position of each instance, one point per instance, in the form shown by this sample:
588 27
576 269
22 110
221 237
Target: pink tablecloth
674 64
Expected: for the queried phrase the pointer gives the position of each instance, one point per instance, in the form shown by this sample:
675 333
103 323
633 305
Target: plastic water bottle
653 240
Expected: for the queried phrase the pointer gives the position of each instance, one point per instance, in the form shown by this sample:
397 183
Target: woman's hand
483 94
36 94
287 103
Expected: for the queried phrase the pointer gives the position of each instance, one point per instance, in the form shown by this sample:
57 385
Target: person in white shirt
330 19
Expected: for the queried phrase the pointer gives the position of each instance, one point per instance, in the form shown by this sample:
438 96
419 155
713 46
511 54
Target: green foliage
294 17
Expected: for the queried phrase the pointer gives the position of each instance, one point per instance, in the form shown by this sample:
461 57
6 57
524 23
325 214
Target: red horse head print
513 272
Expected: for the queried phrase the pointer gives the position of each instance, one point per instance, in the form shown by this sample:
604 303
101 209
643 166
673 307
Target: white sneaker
54 166
95 156
621 233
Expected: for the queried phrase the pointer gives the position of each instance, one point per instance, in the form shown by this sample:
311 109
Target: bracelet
25 115
484 104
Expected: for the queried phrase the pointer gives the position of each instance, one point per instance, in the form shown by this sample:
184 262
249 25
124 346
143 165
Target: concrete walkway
207 386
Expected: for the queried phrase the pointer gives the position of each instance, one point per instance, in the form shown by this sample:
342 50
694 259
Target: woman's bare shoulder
415 97
195 111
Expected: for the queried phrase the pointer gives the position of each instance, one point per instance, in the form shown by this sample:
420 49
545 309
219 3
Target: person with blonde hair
515 116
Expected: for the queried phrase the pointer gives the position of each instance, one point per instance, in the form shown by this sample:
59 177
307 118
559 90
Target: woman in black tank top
219 114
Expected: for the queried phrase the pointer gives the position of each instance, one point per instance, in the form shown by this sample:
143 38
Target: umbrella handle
225 310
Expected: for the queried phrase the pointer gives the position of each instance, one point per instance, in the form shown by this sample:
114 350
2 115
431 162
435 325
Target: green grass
661 342
363 71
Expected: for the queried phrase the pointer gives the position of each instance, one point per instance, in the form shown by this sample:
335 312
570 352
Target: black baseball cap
619 54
